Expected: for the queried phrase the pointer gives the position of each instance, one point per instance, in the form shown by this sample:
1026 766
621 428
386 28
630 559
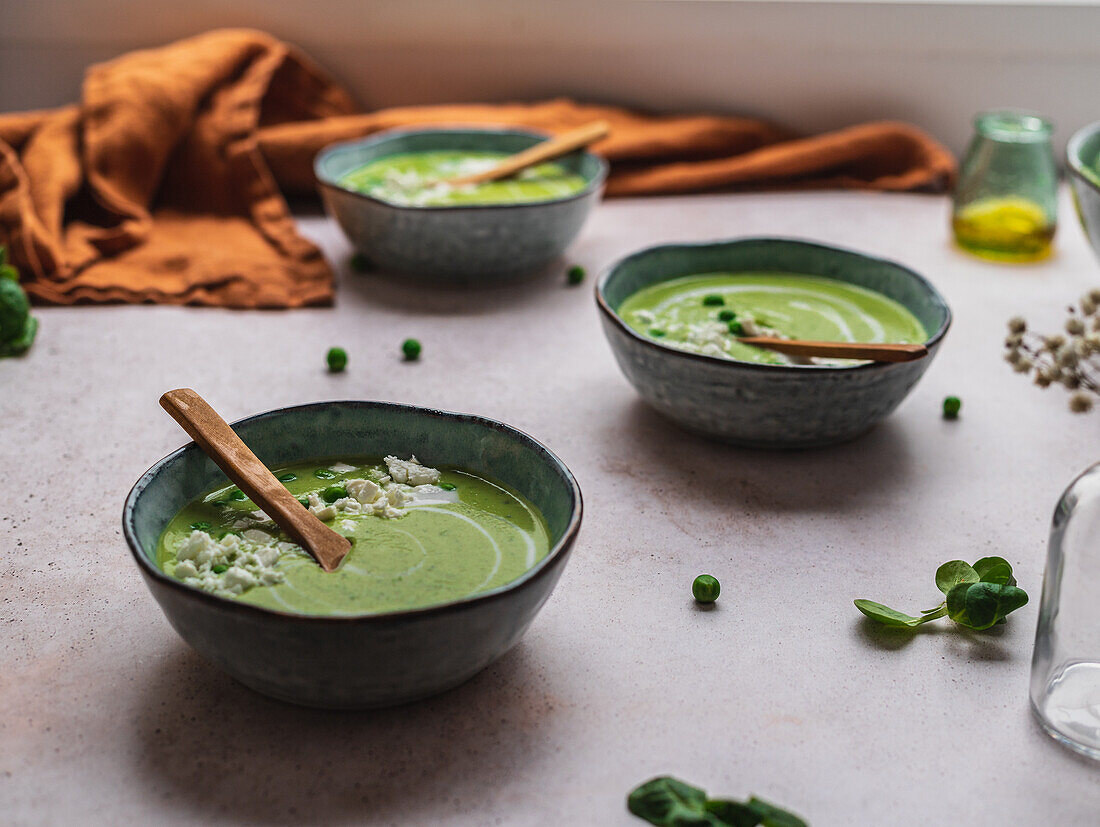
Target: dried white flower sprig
1071 360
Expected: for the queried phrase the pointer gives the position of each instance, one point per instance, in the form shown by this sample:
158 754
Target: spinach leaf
995 570
982 605
892 617
954 572
669 802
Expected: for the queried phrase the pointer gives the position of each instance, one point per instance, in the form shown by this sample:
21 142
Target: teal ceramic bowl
1083 160
463 243
366 660
767 406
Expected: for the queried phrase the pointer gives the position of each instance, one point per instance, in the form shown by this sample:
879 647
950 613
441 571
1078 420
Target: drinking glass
1065 667
1006 200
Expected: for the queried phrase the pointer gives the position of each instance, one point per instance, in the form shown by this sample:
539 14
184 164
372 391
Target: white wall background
811 65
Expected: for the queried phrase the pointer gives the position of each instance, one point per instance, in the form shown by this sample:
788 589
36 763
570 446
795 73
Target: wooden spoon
545 151
875 351
219 442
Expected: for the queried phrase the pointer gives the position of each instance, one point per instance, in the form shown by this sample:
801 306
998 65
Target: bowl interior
332 429
899 283
338 160
1083 154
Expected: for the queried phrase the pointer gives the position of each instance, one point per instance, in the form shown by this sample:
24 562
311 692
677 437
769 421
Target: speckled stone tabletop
106 717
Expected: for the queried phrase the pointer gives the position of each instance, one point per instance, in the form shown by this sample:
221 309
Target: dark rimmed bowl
1083 160
461 243
366 660
766 406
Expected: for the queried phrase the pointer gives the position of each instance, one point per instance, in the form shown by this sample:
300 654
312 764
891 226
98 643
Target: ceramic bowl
768 406
365 660
463 243
1083 160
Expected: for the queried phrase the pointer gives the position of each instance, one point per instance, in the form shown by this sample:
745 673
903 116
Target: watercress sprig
669 802
977 597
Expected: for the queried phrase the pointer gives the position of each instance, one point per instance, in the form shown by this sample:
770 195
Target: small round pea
337 359
304 501
324 474
334 493
705 588
713 300
951 407
287 477
656 332
726 315
218 569
237 494
411 348
448 486
576 274
736 328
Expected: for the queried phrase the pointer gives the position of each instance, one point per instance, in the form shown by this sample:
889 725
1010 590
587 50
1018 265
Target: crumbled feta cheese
242 562
410 471
365 491
347 525
341 467
256 536
645 316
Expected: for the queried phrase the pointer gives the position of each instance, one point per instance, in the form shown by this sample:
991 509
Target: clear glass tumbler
1006 199
1065 667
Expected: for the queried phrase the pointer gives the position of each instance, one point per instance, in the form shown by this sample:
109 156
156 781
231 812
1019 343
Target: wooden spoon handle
219 442
875 351
545 151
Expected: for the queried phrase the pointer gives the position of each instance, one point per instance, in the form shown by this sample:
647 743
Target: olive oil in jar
1006 229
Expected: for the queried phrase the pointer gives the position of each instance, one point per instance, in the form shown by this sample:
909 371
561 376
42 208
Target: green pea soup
461 535
708 312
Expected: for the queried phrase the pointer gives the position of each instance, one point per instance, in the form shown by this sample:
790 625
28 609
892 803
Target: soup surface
422 536
415 179
707 313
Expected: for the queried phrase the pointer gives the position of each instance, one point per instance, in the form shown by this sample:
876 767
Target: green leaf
954 572
979 606
887 616
771 816
995 570
667 801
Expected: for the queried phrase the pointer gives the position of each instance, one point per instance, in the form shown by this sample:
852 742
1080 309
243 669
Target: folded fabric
167 182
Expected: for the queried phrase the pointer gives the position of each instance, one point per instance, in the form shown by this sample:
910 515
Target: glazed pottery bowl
768 406
1083 160
462 243
351 662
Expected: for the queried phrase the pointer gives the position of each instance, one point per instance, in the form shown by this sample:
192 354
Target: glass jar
1065 667
1006 200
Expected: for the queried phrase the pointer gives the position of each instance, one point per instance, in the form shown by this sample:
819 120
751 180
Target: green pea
736 328
656 332
446 486
200 525
951 407
237 494
713 300
337 359
218 569
705 588
334 493
324 474
576 274
288 477
411 348
304 501
726 315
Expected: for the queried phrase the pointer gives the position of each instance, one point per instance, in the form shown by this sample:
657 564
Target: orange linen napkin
166 183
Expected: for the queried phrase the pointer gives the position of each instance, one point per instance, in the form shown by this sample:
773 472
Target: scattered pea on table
706 588
951 407
337 359
411 348
576 274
